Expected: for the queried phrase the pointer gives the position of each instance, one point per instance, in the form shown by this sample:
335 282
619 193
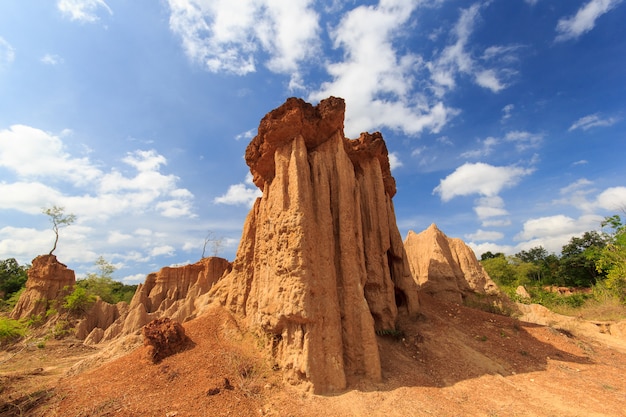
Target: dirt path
451 361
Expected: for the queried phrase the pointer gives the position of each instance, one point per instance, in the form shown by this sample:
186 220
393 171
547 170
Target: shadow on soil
449 343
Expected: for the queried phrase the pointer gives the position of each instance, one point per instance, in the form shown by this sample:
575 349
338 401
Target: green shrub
11 330
78 301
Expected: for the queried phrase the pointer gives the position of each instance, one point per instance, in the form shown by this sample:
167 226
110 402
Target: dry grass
604 309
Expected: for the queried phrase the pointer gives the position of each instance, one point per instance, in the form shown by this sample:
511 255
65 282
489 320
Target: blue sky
505 119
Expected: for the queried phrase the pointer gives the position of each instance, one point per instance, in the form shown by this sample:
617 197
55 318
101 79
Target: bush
78 301
10 330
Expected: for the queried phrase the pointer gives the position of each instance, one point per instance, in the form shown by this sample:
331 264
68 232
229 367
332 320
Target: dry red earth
450 361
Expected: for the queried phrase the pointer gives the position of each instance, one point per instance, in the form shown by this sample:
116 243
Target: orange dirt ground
450 361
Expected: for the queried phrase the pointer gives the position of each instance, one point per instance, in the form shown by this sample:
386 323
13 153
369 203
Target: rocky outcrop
446 267
321 265
171 292
48 281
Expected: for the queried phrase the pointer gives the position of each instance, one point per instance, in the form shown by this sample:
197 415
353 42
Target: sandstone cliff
321 265
446 267
48 280
171 292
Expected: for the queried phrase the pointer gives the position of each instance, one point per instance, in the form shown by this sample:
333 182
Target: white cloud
486 149
552 232
33 153
375 78
613 199
51 59
482 235
82 10
488 207
479 178
248 134
45 173
226 36
524 140
592 120
7 53
584 20
456 58
507 111
164 250
394 161
239 194
116 236
488 79
28 197
580 194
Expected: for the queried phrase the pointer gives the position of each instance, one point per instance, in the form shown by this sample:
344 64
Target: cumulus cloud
375 78
240 194
479 178
33 153
42 171
552 232
82 10
592 120
232 36
489 207
584 20
582 195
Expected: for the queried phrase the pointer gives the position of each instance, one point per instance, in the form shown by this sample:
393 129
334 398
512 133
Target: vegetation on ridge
592 268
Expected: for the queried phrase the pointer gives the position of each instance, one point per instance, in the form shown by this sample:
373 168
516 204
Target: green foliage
78 301
578 260
9 303
500 270
12 277
612 258
11 330
102 285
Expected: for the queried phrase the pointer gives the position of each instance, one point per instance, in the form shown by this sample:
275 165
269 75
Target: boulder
446 267
48 281
321 265
521 292
164 337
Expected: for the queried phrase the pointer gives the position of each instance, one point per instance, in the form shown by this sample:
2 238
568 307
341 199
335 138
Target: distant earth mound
446 268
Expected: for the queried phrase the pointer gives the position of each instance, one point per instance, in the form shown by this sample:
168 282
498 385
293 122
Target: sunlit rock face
446 267
321 264
48 281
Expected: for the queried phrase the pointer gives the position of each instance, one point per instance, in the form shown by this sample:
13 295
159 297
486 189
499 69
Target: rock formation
164 337
446 267
321 265
172 292
48 280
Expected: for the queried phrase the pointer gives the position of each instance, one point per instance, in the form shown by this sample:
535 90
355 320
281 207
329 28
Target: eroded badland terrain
324 312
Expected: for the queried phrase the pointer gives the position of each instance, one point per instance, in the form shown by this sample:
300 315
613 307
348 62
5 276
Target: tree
216 243
612 258
59 219
12 277
500 270
101 284
490 255
579 257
